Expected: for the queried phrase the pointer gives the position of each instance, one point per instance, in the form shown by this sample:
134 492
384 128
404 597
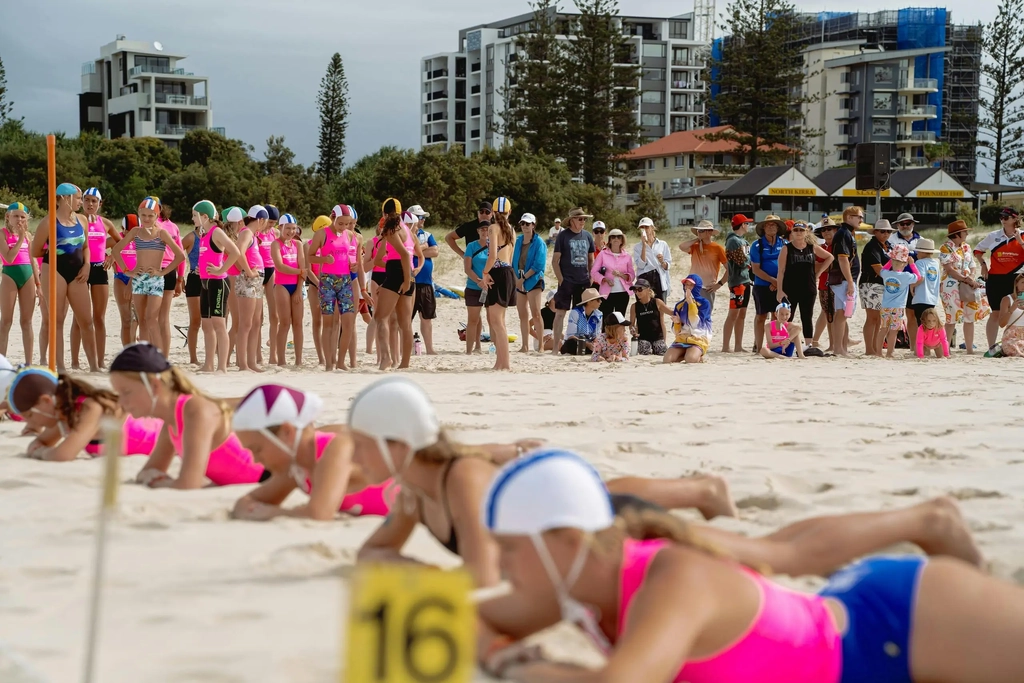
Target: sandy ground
193 596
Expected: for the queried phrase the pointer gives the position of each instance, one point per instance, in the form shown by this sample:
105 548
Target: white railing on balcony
919 110
180 129
136 70
912 162
917 136
180 100
88 68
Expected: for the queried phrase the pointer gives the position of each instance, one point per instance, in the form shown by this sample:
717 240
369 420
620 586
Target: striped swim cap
343 210
287 219
272 405
128 222
355 214
17 206
409 219
205 208
321 222
155 199
93 192
391 205
150 203
502 205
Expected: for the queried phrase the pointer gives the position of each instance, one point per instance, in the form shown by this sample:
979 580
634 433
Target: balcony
916 111
88 68
692 62
437 116
687 109
916 137
179 129
843 88
179 100
440 137
475 111
474 90
912 162
138 70
437 73
437 95
475 67
919 84
474 134
695 86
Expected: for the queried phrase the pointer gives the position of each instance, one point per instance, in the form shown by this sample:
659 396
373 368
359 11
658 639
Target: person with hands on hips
764 262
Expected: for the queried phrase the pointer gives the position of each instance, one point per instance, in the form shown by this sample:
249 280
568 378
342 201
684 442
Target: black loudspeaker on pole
874 160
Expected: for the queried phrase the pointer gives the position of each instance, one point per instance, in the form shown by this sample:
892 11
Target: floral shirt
609 349
959 258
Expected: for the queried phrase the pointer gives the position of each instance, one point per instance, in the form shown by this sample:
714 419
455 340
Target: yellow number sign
410 624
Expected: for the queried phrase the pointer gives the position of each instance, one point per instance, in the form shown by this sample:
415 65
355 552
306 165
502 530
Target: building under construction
957 69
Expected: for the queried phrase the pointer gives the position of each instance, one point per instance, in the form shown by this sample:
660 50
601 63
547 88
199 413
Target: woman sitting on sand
444 486
691 324
196 427
67 414
664 605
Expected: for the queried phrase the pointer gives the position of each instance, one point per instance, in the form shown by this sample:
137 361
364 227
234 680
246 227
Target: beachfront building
461 93
137 89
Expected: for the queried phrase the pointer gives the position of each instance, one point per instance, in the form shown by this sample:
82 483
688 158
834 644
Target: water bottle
491 349
851 305
417 344
634 345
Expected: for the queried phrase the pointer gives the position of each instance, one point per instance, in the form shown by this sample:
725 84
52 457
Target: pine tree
5 106
1002 120
534 109
333 103
759 75
601 96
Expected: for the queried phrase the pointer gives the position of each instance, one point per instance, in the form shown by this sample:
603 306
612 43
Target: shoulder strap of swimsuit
444 490
179 414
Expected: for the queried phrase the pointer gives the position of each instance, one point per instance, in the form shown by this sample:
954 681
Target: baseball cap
646 223
547 489
374 411
140 357
417 210
234 215
1007 212
615 318
641 283
739 219
205 208
272 405
258 212
599 225
528 218
484 206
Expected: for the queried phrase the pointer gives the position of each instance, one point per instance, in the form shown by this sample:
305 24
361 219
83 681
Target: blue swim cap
273 213
17 206
66 190
42 379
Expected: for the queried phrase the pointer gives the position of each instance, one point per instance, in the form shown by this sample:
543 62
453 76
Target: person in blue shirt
424 303
529 259
475 259
764 262
584 324
896 287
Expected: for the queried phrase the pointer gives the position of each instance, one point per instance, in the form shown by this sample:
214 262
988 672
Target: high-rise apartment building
137 89
461 95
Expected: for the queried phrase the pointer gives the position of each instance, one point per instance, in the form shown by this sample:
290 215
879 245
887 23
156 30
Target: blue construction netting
922 28
716 56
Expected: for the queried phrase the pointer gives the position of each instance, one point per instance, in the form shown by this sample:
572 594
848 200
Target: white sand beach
193 596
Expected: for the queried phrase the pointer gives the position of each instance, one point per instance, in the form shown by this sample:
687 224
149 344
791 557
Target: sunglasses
906 224
799 228
857 215
599 231
484 211
524 223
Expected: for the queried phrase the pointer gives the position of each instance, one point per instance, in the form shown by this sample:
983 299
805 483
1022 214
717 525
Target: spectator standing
652 260
872 258
599 229
572 260
896 284
614 274
530 258
764 261
842 277
737 255
961 293
826 231
706 258
424 301
553 231
800 263
926 293
905 234
1007 260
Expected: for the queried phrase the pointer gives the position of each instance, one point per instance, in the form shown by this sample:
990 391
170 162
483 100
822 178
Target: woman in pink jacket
614 274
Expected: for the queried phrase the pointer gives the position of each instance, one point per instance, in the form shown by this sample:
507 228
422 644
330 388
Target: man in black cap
467 232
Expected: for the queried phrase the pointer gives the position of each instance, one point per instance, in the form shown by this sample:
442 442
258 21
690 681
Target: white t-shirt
927 290
553 232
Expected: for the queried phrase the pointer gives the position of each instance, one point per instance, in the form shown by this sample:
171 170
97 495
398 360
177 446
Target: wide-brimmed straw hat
589 294
925 246
704 225
883 225
578 213
783 229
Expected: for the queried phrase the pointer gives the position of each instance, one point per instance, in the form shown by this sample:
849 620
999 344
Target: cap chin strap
53 416
149 390
292 450
409 502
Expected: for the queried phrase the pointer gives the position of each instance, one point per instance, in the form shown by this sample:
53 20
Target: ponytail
70 390
508 235
390 224
445 450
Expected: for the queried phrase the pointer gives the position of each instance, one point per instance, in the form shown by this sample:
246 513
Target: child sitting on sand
896 287
691 323
931 335
779 340
612 345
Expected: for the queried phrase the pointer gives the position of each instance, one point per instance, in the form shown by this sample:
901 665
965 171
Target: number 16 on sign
410 624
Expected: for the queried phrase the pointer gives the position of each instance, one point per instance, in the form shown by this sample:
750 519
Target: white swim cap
548 489
7 373
396 409
272 405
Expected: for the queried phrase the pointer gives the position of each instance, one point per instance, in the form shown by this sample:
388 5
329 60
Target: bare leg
254 337
195 321
969 337
210 343
708 494
284 320
100 297
759 321
386 303
992 326
348 333
8 297
81 307
246 318
404 312
164 340
76 345
522 305
472 327
296 322
315 320
26 309
123 299
730 325
556 331
499 336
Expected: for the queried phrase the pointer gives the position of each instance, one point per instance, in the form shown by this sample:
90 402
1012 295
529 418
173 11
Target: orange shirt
706 260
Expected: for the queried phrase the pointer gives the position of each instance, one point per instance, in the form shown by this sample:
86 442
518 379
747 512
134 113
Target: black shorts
170 281
474 298
765 300
98 275
378 276
919 310
502 291
213 297
739 297
394 278
569 295
538 285
655 280
193 285
425 304
268 274
997 287
615 301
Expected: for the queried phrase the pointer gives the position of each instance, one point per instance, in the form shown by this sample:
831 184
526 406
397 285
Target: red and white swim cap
272 405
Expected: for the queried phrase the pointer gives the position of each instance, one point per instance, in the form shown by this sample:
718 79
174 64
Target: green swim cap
206 208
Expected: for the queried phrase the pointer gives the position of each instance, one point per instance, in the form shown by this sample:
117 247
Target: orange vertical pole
51 190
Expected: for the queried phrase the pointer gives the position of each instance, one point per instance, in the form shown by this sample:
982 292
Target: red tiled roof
690 142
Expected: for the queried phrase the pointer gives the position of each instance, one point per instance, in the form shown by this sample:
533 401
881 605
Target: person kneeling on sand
691 322
779 340
583 325
612 345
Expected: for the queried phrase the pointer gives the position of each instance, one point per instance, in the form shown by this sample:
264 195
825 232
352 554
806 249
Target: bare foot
945 532
716 501
524 350
256 368
726 351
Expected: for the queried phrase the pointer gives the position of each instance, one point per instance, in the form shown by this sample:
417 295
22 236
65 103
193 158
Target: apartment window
650 164
154 64
883 74
844 129
652 119
145 115
170 87
490 54
653 97
664 185
691 160
678 29
654 74
844 102
845 155
654 50
679 161
664 162
680 55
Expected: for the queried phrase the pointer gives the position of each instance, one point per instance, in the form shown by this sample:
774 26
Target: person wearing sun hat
906 233
963 298
1007 261
707 258
764 262
584 324
572 261
871 290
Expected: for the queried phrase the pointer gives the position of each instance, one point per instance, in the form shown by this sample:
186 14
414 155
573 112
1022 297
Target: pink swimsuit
290 258
391 254
22 257
127 255
793 638
138 435
208 258
172 228
314 267
373 500
340 246
229 463
376 243
97 235
265 239
780 335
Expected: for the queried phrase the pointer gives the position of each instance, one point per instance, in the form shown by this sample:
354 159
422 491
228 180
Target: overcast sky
265 59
